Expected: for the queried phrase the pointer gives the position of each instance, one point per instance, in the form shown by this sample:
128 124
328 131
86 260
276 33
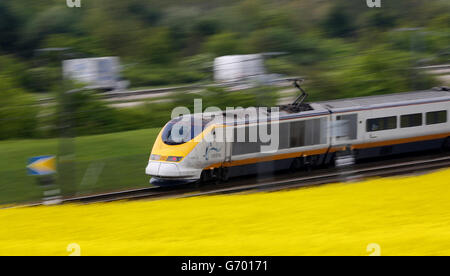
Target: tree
379 70
379 20
338 23
54 20
278 40
17 112
157 46
223 44
8 28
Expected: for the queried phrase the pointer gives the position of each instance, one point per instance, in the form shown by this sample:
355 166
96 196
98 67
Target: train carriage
309 135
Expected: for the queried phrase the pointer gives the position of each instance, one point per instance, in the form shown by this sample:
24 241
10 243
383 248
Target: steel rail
337 175
318 177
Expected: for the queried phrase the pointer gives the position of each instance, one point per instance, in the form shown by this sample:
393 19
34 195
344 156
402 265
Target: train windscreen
181 130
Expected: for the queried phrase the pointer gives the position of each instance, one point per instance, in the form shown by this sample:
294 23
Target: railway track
394 167
274 183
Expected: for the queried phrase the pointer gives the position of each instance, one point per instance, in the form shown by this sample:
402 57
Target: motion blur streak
402 215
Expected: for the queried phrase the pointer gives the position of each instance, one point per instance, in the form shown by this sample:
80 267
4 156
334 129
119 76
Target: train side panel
395 130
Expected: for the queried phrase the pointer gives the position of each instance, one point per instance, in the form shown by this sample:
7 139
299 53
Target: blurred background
100 116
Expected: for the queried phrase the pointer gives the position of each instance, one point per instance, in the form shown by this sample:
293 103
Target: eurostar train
309 135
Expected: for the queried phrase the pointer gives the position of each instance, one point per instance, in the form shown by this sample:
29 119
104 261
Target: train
310 135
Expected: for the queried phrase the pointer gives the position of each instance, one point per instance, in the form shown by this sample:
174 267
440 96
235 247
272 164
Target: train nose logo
210 149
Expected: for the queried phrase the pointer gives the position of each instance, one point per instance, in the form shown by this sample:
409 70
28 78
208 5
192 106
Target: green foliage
57 19
273 40
157 47
206 27
119 154
379 70
223 44
17 112
145 11
41 79
8 28
13 69
141 76
338 22
281 66
379 20
38 79
86 114
219 97
344 49
78 45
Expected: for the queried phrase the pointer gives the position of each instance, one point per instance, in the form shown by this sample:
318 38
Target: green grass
123 157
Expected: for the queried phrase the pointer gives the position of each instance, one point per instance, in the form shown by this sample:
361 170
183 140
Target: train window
284 136
244 143
380 124
438 117
297 130
291 135
411 120
308 133
183 129
240 148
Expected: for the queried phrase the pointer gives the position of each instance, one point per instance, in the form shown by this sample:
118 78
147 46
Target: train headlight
174 158
155 157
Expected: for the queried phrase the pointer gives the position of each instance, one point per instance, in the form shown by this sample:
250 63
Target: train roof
390 100
250 115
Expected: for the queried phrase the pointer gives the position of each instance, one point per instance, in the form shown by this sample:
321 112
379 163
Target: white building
96 73
228 69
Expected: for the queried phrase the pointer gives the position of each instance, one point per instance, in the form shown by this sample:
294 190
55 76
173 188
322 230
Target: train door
345 134
344 129
228 143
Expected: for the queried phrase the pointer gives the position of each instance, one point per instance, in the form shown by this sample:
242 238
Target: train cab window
182 130
380 124
438 117
411 120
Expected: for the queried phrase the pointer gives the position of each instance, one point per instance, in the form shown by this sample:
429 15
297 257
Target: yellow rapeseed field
401 216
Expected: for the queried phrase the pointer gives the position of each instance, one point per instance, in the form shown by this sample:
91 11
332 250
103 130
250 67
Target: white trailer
236 68
96 73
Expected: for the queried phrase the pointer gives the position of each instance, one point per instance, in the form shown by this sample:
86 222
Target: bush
281 66
9 26
338 23
273 40
41 79
18 114
157 47
218 97
223 44
140 76
376 71
86 114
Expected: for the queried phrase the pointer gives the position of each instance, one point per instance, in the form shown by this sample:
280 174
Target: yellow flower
403 216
